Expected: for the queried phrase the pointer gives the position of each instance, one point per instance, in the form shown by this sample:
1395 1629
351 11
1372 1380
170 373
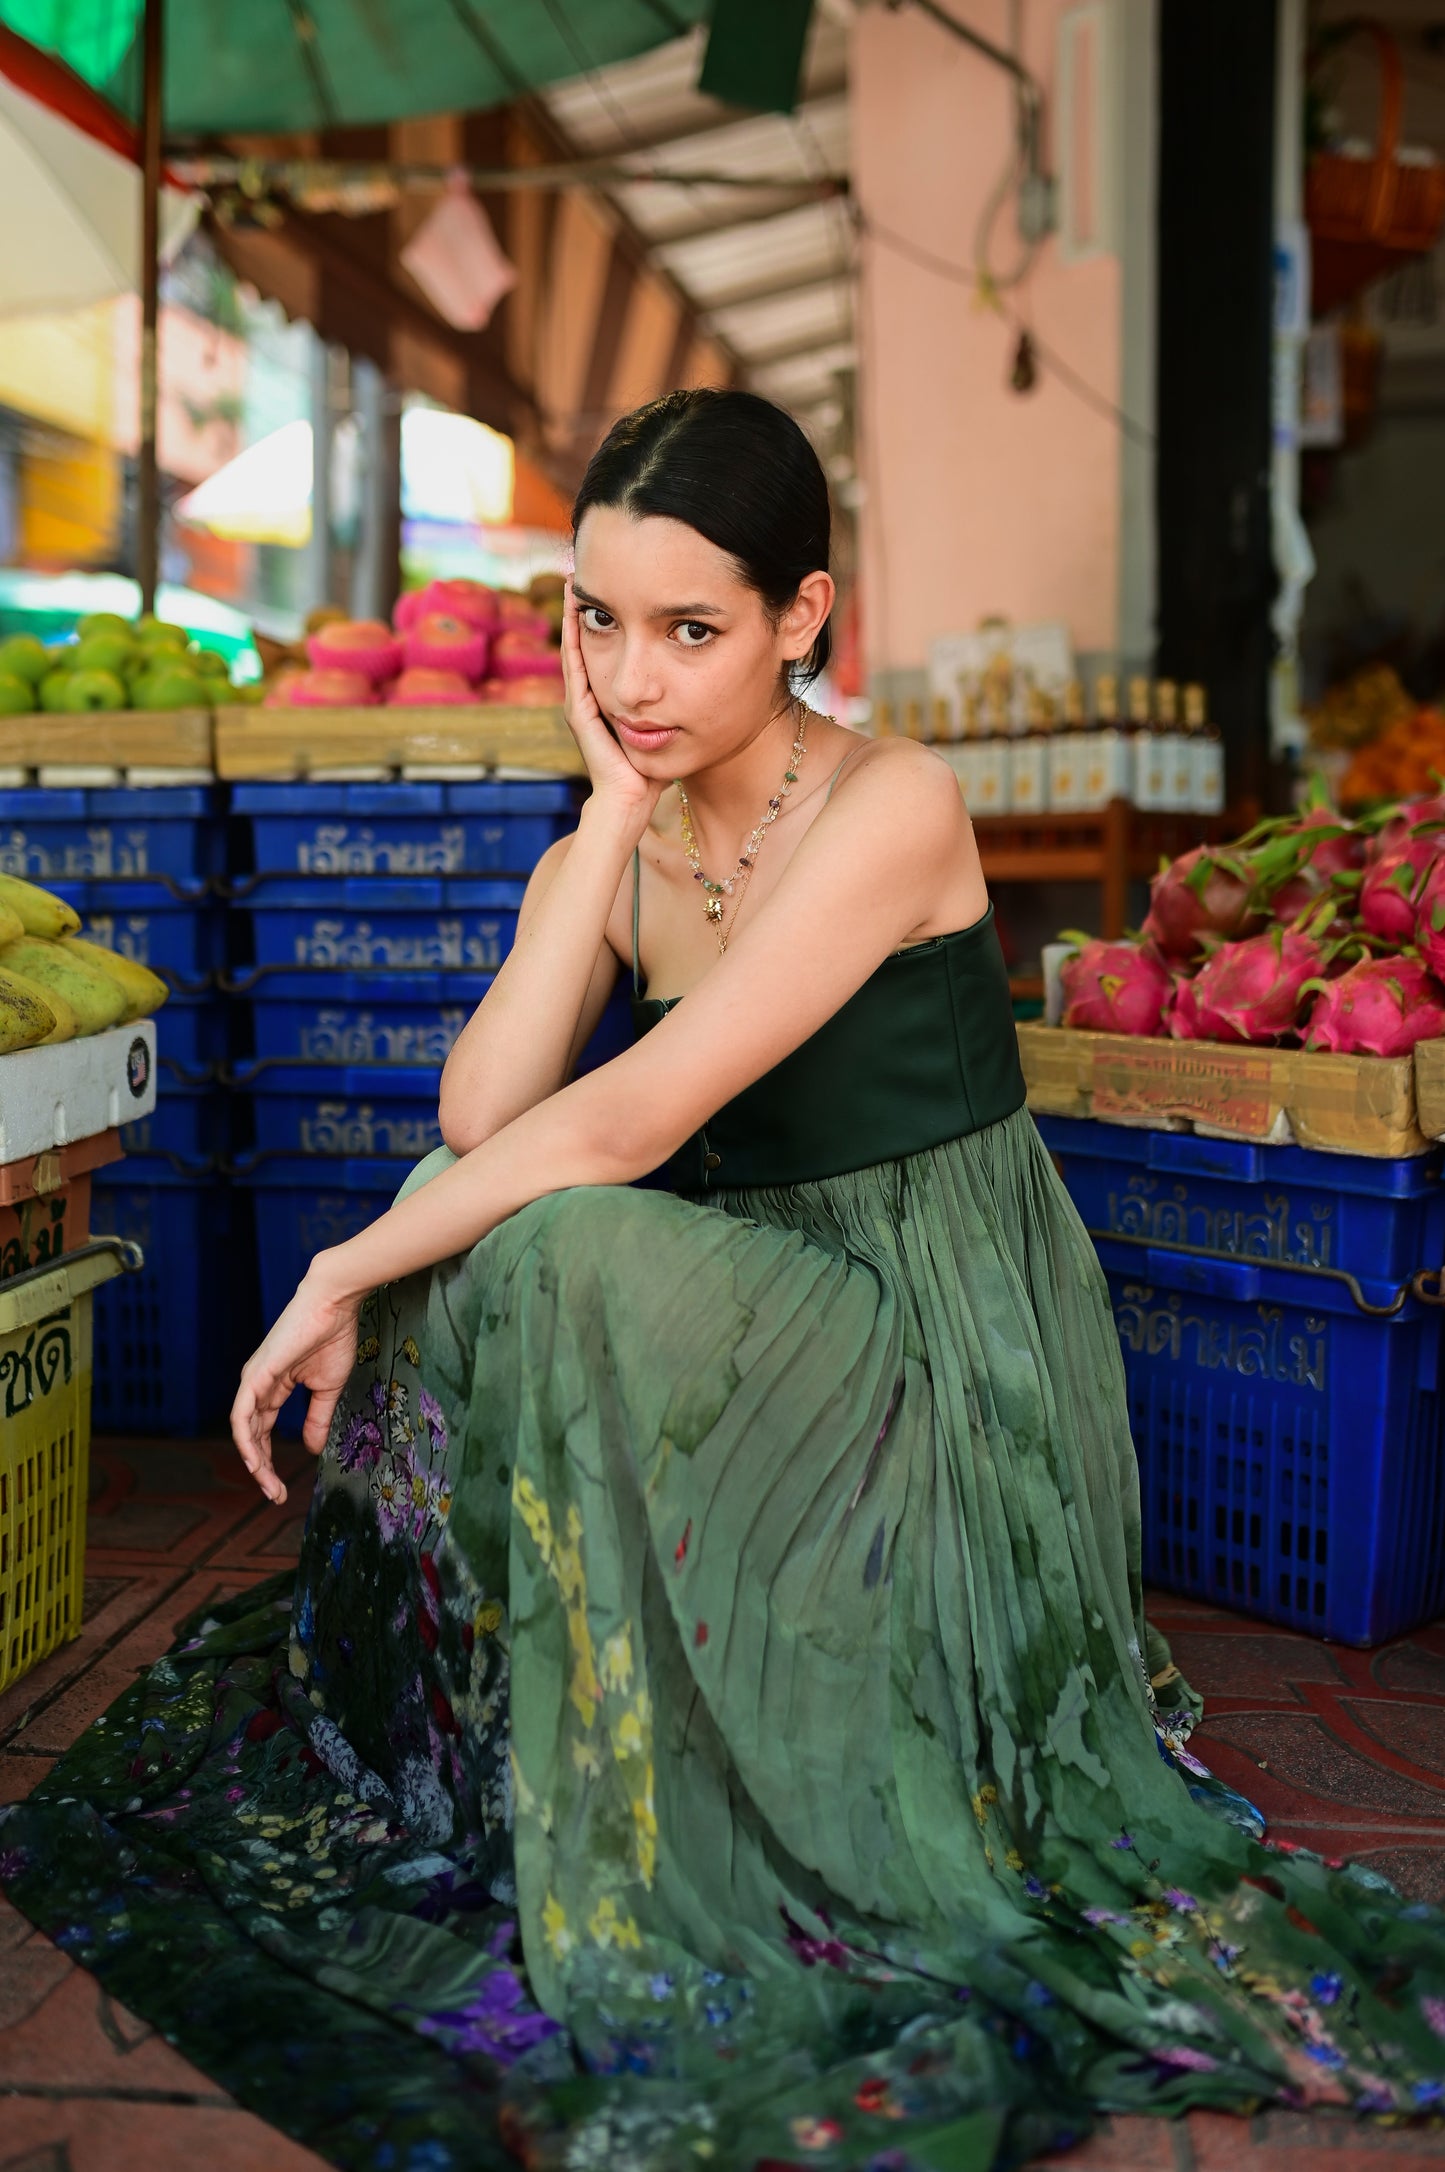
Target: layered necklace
715 892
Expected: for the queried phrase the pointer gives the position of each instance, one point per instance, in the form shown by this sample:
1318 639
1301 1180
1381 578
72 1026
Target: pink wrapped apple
517 654
356 644
420 688
331 689
440 642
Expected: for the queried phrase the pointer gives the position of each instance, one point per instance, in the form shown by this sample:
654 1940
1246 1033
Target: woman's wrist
621 826
337 1275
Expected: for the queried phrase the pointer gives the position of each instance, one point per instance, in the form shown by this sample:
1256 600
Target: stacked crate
143 867
376 916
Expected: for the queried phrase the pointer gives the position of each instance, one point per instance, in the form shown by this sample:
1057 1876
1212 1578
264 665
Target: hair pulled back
738 470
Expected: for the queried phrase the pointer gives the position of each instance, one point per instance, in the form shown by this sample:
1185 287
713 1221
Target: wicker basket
1367 215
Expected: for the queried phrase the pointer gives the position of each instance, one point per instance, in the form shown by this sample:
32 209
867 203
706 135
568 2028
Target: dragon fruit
1404 819
1116 987
1430 918
1206 892
1380 1007
1394 883
1251 990
1339 851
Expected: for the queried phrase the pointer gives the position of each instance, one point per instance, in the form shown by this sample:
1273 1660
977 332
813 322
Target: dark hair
739 471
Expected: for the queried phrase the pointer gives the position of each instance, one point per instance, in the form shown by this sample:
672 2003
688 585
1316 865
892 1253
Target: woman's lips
647 738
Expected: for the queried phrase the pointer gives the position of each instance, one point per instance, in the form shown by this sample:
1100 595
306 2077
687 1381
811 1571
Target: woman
714 1724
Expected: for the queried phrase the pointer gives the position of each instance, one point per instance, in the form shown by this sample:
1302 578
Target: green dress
712 1721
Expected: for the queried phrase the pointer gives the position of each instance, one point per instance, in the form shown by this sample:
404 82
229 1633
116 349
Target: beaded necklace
715 892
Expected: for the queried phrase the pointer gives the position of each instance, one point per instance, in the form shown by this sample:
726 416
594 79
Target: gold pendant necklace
715 892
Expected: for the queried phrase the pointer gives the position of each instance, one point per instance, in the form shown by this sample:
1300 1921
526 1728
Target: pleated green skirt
712 1724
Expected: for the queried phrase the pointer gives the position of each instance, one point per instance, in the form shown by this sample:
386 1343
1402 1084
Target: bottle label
991 778
1065 770
1029 776
1151 771
1208 776
962 758
1107 772
1181 774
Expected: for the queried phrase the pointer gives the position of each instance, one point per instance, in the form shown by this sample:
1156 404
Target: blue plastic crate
169 1340
193 1033
184 944
381 1022
1283 1203
1291 1445
187 1120
471 933
170 831
348 1111
402 829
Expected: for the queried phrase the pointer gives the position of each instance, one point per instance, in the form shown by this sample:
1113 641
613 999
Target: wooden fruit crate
256 744
1342 1104
118 739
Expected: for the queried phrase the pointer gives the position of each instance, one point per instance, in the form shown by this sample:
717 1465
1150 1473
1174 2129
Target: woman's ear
802 622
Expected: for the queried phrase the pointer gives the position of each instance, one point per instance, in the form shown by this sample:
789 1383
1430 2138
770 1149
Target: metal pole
319 372
148 510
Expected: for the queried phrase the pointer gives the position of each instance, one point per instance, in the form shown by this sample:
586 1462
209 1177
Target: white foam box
51 1096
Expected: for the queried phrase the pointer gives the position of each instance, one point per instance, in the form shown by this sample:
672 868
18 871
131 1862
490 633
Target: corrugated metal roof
771 273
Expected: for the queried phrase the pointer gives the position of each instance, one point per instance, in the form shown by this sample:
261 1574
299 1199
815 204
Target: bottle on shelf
942 729
1207 754
993 768
1029 758
1067 750
1146 748
961 748
913 718
1178 755
1107 771
883 720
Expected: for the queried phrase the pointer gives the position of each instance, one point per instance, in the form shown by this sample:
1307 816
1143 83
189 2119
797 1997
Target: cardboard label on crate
1180 1078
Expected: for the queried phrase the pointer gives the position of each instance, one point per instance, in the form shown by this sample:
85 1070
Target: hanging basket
1368 215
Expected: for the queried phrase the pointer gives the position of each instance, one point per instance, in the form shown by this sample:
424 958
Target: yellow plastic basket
45 1361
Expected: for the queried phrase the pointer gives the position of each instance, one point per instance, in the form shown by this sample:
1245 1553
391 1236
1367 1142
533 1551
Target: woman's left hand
312 1345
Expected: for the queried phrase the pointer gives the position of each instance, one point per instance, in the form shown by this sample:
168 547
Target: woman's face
685 662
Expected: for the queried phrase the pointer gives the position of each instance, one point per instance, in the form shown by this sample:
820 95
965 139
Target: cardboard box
1430 1087
1340 1104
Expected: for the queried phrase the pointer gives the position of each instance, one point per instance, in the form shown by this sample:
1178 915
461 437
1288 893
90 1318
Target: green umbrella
267 66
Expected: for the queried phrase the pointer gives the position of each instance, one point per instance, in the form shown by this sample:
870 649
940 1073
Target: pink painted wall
977 499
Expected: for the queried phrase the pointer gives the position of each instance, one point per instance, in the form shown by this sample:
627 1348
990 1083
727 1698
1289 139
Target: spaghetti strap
838 773
636 909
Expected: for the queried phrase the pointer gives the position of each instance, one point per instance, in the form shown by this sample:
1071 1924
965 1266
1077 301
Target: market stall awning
275 66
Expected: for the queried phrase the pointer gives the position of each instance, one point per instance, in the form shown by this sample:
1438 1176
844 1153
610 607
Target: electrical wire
963 275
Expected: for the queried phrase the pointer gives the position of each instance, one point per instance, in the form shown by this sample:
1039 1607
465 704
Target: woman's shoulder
905 774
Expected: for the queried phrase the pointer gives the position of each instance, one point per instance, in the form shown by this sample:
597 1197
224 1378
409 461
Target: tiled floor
1343 1750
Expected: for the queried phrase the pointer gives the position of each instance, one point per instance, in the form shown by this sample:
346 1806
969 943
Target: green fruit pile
113 664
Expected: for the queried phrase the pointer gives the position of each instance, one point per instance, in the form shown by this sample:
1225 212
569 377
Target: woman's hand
312 1345
617 787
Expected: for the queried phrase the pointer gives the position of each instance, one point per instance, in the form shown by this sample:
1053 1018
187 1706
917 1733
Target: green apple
251 693
25 656
209 662
158 633
53 687
105 652
92 690
17 695
105 622
171 684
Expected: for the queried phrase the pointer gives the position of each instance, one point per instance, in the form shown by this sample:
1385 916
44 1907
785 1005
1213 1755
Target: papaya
26 1017
96 999
38 912
144 990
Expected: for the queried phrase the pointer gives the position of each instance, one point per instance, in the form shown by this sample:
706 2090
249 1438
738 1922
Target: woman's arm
522 1041
863 878
520 1044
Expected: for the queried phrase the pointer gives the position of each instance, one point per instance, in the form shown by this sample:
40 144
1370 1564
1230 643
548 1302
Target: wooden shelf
1112 847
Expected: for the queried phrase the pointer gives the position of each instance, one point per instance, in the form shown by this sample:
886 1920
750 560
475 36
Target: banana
67 1025
144 991
26 1016
96 999
11 926
37 911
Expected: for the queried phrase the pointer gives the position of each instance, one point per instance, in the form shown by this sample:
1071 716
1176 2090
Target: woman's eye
692 633
594 618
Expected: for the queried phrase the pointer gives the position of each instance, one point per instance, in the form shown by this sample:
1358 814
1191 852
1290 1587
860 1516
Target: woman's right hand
617 787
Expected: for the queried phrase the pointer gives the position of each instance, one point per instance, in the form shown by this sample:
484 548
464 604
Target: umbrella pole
148 509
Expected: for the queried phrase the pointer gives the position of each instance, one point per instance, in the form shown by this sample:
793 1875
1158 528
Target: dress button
712 1161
